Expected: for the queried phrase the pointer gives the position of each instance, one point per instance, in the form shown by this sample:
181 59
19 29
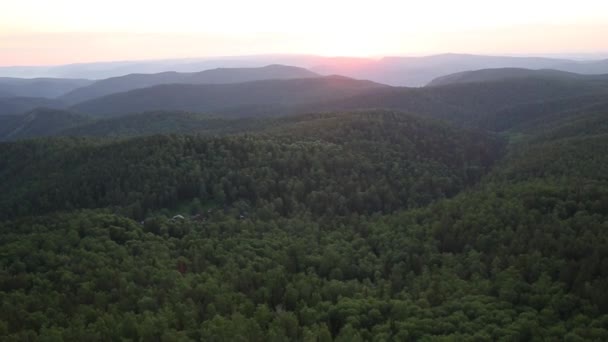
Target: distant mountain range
419 71
488 75
22 95
493 99
500 99
397 71
214 76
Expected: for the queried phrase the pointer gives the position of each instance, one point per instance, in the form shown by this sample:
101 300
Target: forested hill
465 103
370 225
166 122
323 164
240 98
324 227
39 122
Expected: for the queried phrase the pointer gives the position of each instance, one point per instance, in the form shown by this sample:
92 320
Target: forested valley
341 225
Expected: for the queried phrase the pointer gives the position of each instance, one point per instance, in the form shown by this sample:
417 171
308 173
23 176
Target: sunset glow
67 31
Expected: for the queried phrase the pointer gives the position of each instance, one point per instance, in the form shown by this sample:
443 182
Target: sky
45 32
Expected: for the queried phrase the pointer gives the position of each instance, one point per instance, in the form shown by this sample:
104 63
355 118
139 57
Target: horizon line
577 56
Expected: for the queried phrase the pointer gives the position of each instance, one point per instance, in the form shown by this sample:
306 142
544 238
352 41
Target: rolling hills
39 87
480 214
455 157
19 105
498 100
213 76
336 226
39 122
331 93
234 99
532 115
480 104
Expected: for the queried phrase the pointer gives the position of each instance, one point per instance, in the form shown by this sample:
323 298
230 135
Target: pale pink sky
39 32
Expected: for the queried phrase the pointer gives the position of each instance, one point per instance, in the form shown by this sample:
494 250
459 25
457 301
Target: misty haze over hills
213 76
400 71
235 98
490 98
282 90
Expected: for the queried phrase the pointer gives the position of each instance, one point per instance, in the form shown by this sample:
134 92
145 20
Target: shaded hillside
7 124
376 161
40 87
512 104
19 105
592 121
490 75
577 159
515 104
235 97
214 76
491 96
40 122
410 100
534 115
150 123
464 103
494 105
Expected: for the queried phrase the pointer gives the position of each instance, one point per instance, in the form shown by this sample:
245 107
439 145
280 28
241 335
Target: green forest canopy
355 226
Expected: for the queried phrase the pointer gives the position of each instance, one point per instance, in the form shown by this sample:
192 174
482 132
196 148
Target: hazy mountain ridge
103 70
451 101
213 76
491 102
585 67
489 75
39 87
397 71
475 104
210 98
